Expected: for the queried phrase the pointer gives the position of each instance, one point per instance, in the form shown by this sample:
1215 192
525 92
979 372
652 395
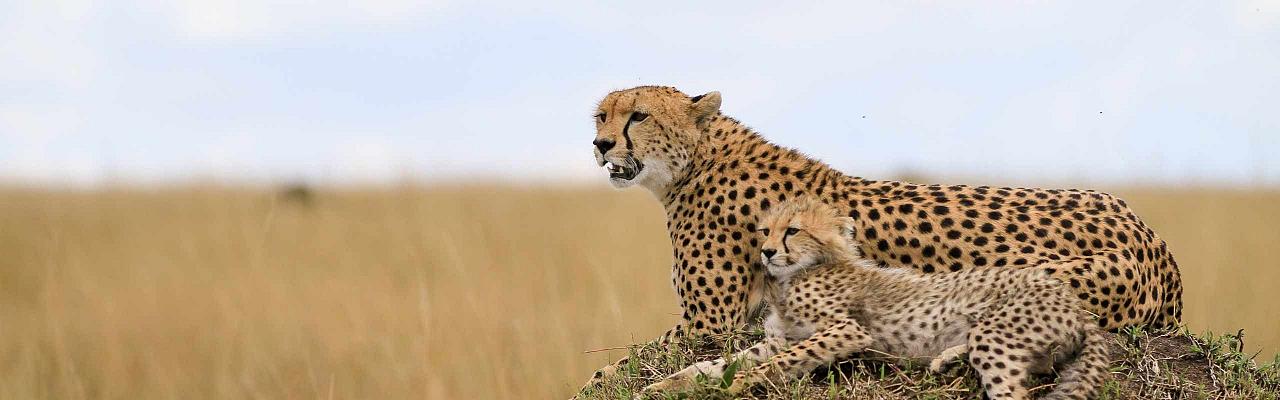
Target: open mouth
623 172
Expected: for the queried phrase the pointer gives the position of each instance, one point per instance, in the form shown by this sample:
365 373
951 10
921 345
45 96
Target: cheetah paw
669 384
937 366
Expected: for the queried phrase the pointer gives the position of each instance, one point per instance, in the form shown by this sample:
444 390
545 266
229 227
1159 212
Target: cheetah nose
603 144
768 252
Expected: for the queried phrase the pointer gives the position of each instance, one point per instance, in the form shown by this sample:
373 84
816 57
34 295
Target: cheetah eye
600 117
764 231
792 231
638 116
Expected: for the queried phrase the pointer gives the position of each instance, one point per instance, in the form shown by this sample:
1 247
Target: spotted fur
827 303
715 177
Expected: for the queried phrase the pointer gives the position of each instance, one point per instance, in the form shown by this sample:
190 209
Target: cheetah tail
1081 377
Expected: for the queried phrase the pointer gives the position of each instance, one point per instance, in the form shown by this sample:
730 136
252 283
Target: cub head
802 233
645 135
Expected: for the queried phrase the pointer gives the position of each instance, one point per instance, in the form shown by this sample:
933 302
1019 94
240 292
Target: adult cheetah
827 303
715 176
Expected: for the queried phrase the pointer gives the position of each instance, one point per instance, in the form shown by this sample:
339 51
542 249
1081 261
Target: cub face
644 135
802 233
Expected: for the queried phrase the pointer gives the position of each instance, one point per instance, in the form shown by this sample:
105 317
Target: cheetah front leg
685 378
834 343
610 370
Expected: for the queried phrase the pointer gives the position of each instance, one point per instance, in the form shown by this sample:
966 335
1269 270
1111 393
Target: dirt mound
1165 365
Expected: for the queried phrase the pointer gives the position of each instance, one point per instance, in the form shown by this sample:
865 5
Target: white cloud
250 19
30 123
47 43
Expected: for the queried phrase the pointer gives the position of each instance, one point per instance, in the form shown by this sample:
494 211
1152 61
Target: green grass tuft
1174 364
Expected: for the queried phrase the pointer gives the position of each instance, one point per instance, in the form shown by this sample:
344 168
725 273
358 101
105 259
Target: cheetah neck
728 147
873 288
775 292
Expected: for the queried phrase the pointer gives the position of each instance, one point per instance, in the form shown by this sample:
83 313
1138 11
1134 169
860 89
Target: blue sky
337 92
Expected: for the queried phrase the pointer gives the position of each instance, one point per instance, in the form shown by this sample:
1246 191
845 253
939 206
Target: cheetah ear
704 105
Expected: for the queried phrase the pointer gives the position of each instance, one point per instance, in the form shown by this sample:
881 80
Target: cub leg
834 343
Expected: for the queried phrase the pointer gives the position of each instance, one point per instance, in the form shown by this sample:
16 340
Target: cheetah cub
828 303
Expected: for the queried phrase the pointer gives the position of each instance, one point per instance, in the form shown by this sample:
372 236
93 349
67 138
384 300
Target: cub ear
704 105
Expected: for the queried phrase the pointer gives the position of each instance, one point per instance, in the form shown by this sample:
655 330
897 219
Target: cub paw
937 366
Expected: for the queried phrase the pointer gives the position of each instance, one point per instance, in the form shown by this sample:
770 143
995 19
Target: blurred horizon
332 93
208 292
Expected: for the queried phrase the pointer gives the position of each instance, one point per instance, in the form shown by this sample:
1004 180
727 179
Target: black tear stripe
625 126
784 243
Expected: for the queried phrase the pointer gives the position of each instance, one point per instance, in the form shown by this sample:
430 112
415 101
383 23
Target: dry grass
462 292
1225 243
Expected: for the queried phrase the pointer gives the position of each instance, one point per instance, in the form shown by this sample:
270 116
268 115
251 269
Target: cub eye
638 116
764 231
600 117
792 231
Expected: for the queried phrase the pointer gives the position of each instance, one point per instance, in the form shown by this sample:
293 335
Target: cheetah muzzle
625 171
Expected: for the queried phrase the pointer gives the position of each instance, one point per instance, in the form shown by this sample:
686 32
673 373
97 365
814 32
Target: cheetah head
802 233
645 135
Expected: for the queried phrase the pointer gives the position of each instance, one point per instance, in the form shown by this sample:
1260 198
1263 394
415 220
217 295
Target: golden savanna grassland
447 292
